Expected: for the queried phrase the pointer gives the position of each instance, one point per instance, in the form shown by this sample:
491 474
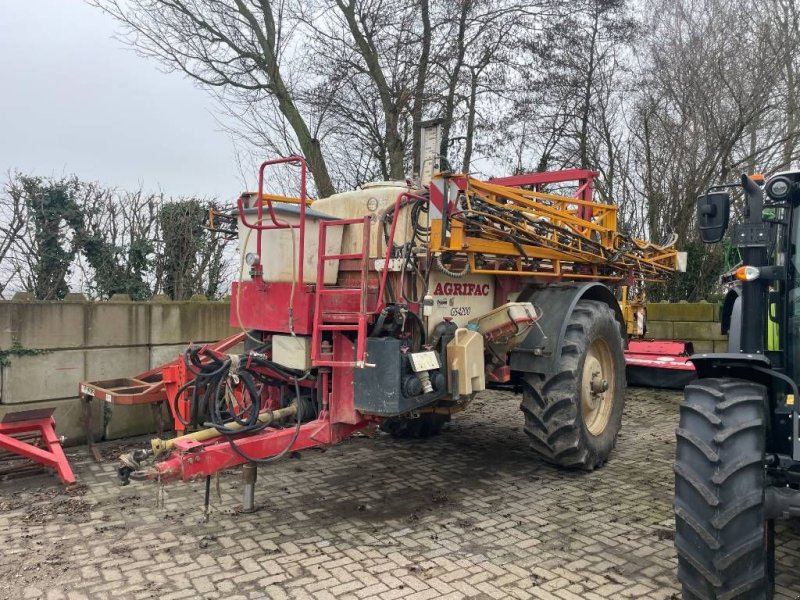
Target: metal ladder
341 321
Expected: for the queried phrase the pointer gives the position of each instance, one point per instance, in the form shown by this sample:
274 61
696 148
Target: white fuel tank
280 248
372 199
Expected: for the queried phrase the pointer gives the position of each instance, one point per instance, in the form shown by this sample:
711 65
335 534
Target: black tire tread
551 406
719 529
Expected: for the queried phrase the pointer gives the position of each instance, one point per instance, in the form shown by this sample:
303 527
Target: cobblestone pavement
469 514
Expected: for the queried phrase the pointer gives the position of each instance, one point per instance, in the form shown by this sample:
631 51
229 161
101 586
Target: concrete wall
691 322
46 348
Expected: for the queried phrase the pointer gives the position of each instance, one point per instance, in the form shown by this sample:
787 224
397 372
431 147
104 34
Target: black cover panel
378 389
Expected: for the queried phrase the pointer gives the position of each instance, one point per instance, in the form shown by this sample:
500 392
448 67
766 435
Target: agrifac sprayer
393 306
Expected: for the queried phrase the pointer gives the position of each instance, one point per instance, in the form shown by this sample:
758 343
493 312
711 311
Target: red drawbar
194 459
41 421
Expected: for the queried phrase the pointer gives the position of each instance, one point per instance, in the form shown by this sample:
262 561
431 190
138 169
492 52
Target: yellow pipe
160 446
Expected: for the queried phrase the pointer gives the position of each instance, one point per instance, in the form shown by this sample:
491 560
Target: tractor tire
724 543
424 426
572 417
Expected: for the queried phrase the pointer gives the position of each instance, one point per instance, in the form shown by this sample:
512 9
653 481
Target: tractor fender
730 314
540 350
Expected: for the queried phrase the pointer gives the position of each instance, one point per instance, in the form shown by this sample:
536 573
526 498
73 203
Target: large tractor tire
725 544
424 426
573 417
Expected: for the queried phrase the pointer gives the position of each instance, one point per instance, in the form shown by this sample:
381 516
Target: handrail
258 226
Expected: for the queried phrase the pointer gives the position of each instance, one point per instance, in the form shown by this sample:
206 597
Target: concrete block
659 330
164 354
160 355
111 363
697 331
117 324
68 416
185 322
43 325
700 311
47 376
721 346
703 346
128 421
7 310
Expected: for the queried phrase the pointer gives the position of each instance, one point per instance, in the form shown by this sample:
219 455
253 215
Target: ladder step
341 327
340 320
341 222
337 363
339 291
353 256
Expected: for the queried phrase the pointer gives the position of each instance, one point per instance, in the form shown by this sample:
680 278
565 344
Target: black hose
418 322
212 399
282 453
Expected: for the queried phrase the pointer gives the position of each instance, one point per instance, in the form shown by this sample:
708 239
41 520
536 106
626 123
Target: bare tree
120 246
58 235
13 223
707 110
243 46
44 248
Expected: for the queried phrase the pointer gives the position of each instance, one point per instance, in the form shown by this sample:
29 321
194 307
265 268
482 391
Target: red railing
258 225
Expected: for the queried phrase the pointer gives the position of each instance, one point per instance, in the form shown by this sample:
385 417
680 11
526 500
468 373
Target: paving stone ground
471 513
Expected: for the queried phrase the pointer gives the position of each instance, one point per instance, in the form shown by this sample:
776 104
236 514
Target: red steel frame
262 305
584 177
337 420
52 455
190 462
659 354
259 227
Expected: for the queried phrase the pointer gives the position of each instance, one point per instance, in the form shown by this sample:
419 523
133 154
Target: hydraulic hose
215 405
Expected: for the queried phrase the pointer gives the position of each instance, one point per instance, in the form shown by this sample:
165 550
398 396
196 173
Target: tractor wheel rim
597 387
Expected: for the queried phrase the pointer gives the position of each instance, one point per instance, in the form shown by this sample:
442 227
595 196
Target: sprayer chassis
562 264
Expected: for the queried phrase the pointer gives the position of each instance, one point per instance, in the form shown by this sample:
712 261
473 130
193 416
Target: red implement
49 453
659 363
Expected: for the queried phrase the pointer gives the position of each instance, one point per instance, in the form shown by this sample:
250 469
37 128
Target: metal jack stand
36 421
249 475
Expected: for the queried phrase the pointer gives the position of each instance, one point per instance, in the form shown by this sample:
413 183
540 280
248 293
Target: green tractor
737 465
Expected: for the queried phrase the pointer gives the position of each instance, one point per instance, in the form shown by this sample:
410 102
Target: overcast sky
75 100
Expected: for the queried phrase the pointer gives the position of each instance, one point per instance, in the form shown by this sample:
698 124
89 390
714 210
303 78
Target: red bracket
40 421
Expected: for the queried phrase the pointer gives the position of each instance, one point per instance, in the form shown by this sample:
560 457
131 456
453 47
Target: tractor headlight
778 188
